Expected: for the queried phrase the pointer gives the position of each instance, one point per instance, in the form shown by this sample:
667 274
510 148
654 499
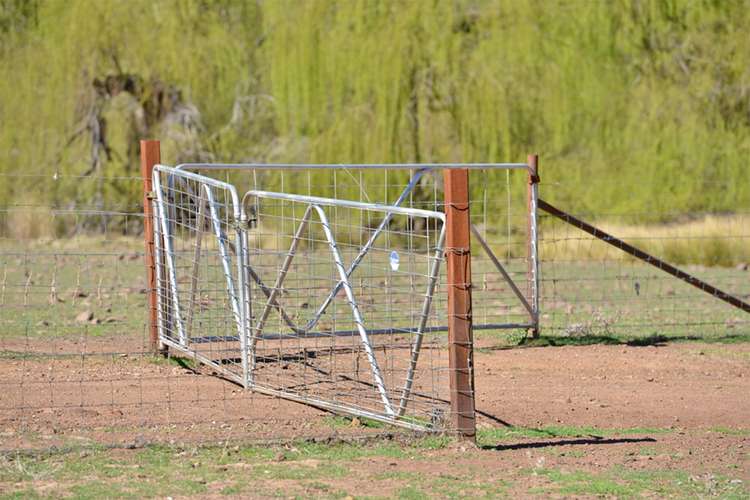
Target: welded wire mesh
198 282
344 295
353 342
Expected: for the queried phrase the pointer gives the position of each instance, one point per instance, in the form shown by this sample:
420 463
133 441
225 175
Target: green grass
341 422
729 431
163 470
622 483
339 470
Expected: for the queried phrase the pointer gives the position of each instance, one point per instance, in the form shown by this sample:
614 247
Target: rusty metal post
532 240
150 156
458 269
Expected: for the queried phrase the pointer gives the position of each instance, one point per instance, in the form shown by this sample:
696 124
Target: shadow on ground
651 340
566 442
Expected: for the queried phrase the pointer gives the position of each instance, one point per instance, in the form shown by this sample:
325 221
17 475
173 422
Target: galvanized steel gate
325 301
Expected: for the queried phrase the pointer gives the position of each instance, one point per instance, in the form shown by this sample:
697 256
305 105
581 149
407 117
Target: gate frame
458 232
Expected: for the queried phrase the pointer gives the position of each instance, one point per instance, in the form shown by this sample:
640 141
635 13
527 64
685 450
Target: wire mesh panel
200 308
325 285
341 304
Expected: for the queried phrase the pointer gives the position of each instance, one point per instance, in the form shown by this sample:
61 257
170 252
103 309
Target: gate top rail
359 166
200 178
333 202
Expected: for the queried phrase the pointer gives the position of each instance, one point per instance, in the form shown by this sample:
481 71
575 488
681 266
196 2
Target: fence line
76 367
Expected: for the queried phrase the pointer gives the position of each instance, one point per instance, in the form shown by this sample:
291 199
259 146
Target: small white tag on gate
395 259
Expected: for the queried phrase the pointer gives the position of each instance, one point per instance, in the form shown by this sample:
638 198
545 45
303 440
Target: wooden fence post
532 240
150 156
458 269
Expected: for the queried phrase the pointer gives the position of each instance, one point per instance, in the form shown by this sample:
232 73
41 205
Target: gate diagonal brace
502 271
358 320
303 331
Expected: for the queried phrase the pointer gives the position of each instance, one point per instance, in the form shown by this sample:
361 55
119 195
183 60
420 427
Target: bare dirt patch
585 421
552 420
683 385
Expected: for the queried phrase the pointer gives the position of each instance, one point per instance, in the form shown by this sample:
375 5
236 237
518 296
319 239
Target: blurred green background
634 106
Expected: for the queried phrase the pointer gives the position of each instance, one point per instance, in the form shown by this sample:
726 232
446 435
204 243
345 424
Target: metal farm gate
327 301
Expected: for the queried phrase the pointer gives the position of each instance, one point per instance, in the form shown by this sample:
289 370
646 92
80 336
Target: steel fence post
150 156
458 269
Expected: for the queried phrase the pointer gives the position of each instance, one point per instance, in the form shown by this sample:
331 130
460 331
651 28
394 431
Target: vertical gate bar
200 221
458 270
170 270
161 320
150 156
532 240
247 310
222 240
424 316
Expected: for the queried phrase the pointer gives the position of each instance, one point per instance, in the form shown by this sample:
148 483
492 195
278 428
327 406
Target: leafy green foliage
634 106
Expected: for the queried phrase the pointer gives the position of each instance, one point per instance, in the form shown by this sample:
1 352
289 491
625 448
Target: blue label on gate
395 260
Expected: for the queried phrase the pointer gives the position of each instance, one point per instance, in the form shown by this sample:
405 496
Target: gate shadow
566 442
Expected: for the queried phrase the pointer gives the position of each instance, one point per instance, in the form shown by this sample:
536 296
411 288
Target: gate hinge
246 225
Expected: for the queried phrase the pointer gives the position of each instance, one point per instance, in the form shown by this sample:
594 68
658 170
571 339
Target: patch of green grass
306 469
730 431
290 471
564 452
647 451
432 442
620 482
27 494
343 451
233 489
583 483
168 470
412 493
397 475
341 422
471 486
98 489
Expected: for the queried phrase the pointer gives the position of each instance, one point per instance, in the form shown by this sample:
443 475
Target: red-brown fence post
150 156
458 270
532 241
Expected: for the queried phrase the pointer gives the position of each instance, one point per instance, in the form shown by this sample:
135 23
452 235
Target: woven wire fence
593 290
76 367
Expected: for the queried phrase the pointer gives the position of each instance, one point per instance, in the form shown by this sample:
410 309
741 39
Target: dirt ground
120 399
681 385
543 413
